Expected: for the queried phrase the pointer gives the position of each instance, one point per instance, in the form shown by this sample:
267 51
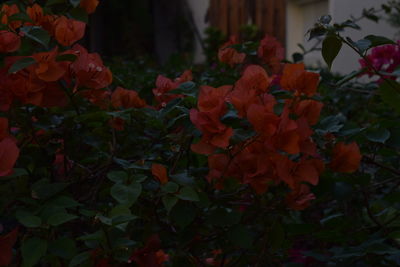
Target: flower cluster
385 58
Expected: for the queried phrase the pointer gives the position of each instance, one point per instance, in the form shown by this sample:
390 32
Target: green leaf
276 236
74 3
169 202
378 40
54 2
63 247
79 259
21 64
32 251
66 57
183 213
241 236
188 193
170 187
390 94
330 49
28 219
126 194
60 218
43 190
36 34
65 202
118 176
223 217
378 135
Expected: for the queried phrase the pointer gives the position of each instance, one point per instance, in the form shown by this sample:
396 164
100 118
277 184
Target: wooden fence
268 15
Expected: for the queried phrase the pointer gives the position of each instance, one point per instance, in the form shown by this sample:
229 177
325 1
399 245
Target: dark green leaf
79 259
241 236
378 40
126 194
21 64
63 247
66 57
183 213
330 49
28 219
390 94
378 135
43 190
60 218
37 34
32 251
170 187
118 176
188 193
169 202
74 3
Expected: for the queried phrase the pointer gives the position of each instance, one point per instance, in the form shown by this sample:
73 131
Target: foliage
228 166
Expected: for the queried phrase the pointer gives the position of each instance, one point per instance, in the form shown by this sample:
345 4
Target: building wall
199 11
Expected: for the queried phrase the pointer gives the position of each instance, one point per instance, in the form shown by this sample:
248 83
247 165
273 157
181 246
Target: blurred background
192 30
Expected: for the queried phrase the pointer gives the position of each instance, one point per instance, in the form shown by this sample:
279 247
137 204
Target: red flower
271 52
6 12
160 173
346 157
310 109
88 69
6 244
9 153
47 68
89 5
68 31
126 99
36 14
296 78
9 42
229 55
164 85
150 255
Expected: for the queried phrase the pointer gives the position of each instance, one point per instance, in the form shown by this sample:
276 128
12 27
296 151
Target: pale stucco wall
199 11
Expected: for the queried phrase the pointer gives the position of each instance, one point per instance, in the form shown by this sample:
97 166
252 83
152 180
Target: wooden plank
258 8
234 19
224 16
280 21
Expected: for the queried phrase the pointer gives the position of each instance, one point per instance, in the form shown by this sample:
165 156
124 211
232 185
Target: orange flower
68 31
36 14
213 99
89 5
47 68
229 55
254 78
296 78
164 85
159 172
346 157
6 12
126 99
271 52
89 70
310 109
9 153
9 42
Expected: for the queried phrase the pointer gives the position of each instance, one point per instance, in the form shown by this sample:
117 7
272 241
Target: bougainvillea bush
251 162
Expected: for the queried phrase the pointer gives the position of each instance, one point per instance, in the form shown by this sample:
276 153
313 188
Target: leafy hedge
254 161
